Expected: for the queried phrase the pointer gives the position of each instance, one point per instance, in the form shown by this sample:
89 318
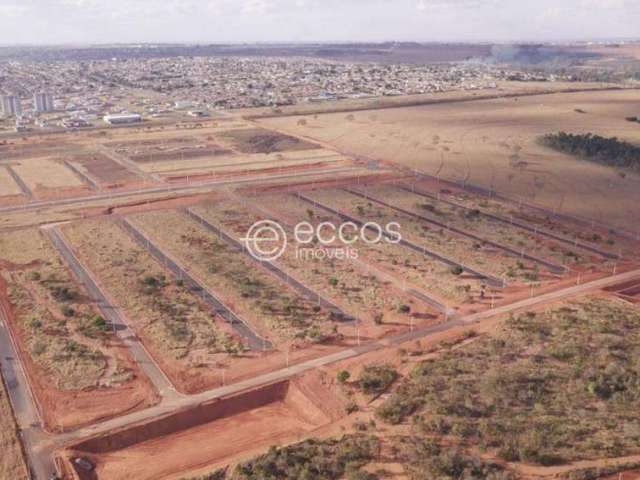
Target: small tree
343 376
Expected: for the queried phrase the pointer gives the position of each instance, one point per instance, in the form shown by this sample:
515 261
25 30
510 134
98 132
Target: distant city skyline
43 22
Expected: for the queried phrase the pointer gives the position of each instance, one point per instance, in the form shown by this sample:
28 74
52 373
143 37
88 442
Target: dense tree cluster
312 459
608 151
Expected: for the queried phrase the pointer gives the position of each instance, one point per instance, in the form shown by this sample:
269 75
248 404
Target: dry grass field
440 240
493 144
406 266
474 223
272 308
72 357
170 319
12 465
376 302
233 162
48 177
8 186
577 378
103 170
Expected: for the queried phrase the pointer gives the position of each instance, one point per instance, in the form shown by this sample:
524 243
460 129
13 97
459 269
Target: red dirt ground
10 200
105 170
212 434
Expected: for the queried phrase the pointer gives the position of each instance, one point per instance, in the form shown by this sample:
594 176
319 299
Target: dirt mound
257 140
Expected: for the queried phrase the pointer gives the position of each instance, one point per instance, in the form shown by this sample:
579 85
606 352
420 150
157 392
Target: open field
238 162
104 170
479 226
590 239
269 305
570 359
440 240
157 150
12 463
379 306
172 322
8 186
405 265
493 144
79 370
49 178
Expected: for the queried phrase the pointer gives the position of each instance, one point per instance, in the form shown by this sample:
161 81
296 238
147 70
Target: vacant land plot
172 322
407 266
271 306
474 223
257 140
79 370
8 186
12 465
48 177
358 291
595 234
485 259
494 143
181 153
241 162
548 388
103 169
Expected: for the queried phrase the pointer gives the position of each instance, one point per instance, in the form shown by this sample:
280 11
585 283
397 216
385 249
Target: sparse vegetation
311 459
375 379
426 458
174 318
549 388
343 376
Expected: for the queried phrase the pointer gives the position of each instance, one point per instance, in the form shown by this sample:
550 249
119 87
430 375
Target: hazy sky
107 21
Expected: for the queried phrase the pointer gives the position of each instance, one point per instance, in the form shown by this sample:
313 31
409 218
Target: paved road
113 315
240 325
515 223
47 445
491 280
554 268
190 188
24 406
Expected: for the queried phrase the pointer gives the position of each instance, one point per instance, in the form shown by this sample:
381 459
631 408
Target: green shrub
376 379
457 270
343 376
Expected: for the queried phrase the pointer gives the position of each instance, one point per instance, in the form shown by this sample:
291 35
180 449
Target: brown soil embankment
208 435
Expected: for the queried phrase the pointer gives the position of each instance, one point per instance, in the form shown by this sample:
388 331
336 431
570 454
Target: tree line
608 151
